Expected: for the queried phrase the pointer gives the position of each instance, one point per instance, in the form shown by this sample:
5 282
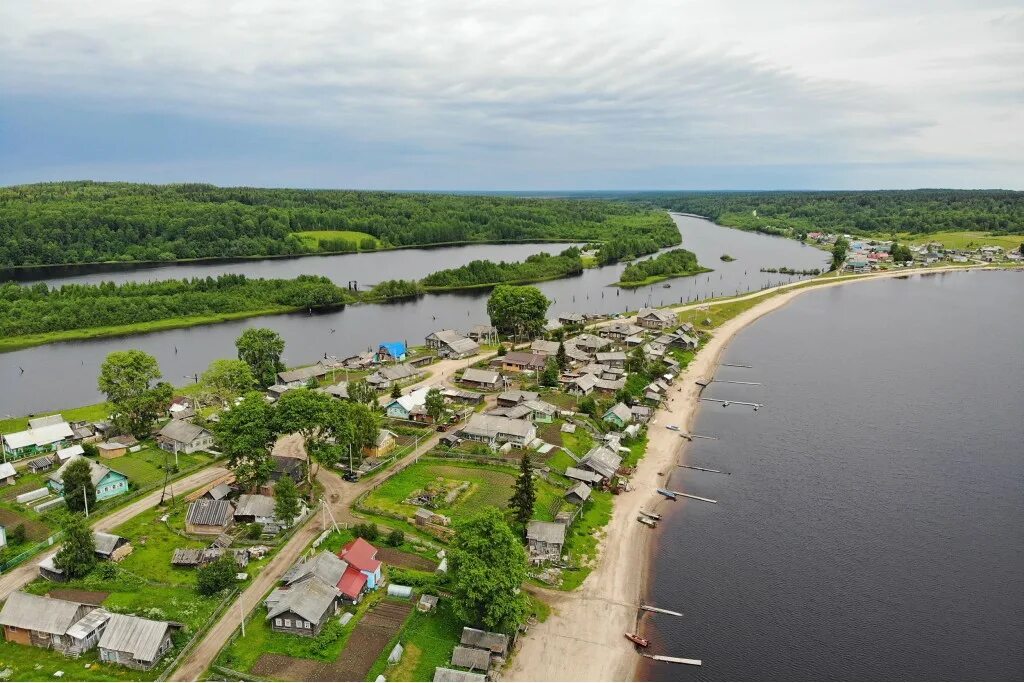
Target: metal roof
181 431
491 425
254 505
97 470
38 613
85 626
139 637
488 640
309 600
546 532
209 512
471 658
326 566
446 675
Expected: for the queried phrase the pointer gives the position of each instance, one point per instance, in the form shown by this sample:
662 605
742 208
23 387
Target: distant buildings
44 435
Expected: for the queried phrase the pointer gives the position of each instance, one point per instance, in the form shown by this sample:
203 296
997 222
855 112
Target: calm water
64 375
872 526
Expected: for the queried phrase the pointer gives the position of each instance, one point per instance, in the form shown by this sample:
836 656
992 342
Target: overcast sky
547 95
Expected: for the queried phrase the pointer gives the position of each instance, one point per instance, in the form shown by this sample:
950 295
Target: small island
727 258
669 264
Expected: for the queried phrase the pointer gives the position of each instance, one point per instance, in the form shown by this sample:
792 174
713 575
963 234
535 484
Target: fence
26 554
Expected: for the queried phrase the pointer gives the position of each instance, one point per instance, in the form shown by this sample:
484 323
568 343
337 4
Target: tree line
39 309
542 266
86 222
866 213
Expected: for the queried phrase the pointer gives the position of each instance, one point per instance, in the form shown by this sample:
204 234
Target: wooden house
134 642
209 517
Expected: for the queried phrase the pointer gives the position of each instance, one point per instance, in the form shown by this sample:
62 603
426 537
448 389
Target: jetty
686 495
674 660
703 469
660 610
736 365
736 381
725 402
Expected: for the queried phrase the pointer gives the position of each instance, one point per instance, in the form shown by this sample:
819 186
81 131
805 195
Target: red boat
641 642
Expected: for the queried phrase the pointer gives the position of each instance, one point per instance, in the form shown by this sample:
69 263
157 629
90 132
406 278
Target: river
64 374
872 524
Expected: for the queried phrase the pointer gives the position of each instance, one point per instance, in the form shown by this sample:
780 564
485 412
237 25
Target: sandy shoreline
583 639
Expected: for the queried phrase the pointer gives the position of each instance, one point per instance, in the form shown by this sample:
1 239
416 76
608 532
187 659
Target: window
288 623
305 624
277 622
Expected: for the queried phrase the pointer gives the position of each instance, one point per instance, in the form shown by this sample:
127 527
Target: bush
106 571
216 576
253 531
395 538
368 531
18 535
90 450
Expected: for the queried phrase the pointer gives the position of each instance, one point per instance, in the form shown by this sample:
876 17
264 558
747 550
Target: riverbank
583 638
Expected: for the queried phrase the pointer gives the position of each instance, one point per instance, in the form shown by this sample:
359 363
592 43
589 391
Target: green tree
637 360
560 356
518 311
549 377
487 569
286 500
435 404
216 576
77 479
396 391
839 250
227 379
18 535
261 349
360 391
127 377
588 405
524 496
501 351
77 556
395 538
245 434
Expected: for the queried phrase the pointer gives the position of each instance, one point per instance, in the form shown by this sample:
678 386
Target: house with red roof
363 571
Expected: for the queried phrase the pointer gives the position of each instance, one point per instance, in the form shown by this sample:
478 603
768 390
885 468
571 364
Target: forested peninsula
674 263
89 222
38 314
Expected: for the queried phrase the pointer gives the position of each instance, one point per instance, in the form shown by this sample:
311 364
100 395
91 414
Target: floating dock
735 381
660 610
673 660
702 469
725 402
736 365
689 495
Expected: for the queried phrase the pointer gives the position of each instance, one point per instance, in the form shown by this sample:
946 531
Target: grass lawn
964 239
92 413
428 640
579 442
311 238
636 451
488 486
154 543
145 468
583 536
35 664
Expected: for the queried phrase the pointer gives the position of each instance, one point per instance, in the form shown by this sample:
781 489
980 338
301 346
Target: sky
524 95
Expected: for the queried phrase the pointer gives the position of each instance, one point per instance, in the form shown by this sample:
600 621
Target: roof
309 600
39 463
488 640
7 470
584 382
581 490
38 613
588 340
455 341
254 505
137 636
546 532
524 358
41 435
361 555
481 376
471 658
517 396
219 491
582 475
395 349
544 346
391 373
610 355
602 460
657 313
383 436
412 399
106 543
65 453
209 512
286 464
339 390
445 675
352 582
325 566
621 411
88 624
302 374
181 431
46 421
492 425
98 471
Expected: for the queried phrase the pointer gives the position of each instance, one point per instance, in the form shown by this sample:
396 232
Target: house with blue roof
391 352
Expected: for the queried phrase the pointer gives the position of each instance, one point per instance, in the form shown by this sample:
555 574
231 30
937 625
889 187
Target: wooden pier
690 495
673 660
660 610
702 469
736 381
725 402
736 365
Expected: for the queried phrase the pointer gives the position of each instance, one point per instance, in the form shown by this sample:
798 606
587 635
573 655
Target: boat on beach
637 640
671 495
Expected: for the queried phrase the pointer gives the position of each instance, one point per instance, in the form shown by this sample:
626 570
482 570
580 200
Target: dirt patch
406 560
86 597
285 668
34 529
371 635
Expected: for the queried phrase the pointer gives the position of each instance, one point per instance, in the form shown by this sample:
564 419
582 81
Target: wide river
871 526
64 375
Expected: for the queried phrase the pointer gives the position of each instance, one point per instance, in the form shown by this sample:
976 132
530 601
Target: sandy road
26 572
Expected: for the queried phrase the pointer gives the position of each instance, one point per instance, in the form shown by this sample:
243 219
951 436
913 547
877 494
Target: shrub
368 531
253 531
216 576
395 538
18 535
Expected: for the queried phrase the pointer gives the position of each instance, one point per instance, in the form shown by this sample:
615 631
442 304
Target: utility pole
241 617
85 497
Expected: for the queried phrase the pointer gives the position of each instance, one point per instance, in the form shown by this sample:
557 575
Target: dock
736 365
725 402
674 660
702 469
701 436
690 495
736 381
660 610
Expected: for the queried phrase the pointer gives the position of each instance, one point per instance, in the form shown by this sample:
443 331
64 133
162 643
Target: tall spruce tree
525 495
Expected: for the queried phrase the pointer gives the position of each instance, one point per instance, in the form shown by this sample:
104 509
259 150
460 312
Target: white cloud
624 86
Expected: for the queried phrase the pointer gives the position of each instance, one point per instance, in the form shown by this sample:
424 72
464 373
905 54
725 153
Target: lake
63 375
872 524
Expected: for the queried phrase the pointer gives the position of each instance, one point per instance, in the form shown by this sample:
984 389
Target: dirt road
26 572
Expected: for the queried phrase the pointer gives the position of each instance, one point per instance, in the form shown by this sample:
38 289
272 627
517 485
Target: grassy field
963 239
35 664
488 486
311 238
583 537
428 640
146 467
154 542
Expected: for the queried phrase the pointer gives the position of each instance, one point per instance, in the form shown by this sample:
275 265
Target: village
865 255
355 548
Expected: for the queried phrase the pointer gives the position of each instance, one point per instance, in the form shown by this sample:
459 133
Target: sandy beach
583 639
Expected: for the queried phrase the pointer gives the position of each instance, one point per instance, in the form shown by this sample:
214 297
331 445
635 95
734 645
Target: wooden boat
671 495
637 640
644 520
652 515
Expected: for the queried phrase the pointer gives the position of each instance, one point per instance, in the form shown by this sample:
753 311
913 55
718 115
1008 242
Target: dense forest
542 266
663 266
85 222
39 309
879 212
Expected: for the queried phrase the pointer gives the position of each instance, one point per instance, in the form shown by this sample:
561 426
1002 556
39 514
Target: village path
26 572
